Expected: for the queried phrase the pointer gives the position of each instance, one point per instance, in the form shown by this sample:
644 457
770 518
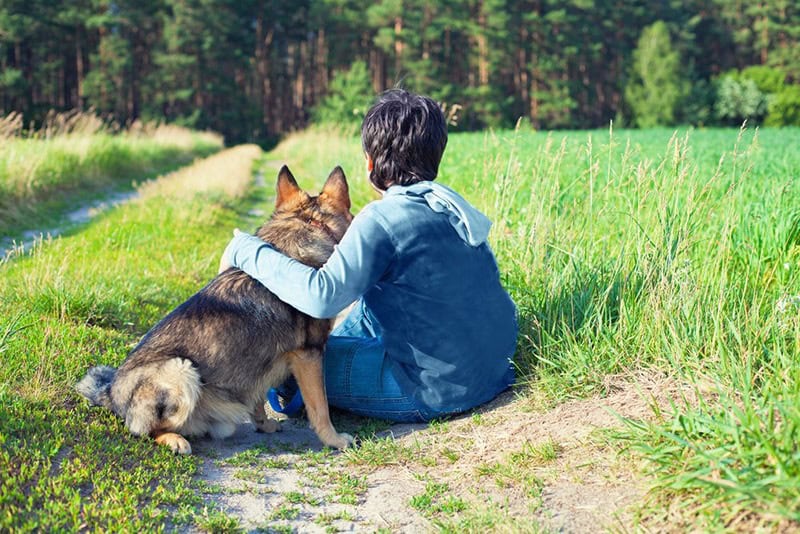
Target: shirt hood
471 225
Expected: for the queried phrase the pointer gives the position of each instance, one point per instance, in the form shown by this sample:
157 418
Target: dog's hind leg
307 369
157 399
263 422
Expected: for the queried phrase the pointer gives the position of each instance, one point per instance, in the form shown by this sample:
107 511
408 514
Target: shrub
768 80
739 100
758 93
784 107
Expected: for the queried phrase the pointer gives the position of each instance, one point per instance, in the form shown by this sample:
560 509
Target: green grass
42 178
437 500
677 252
623 251
84 300
517 468
285 512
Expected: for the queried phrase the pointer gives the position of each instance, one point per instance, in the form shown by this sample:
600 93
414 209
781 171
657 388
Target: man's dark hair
405 135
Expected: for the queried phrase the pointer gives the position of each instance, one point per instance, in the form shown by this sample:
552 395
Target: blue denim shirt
419 259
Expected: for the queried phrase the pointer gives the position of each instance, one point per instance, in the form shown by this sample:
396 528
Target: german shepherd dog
208 364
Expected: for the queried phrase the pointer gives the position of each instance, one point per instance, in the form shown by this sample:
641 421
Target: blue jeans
357 374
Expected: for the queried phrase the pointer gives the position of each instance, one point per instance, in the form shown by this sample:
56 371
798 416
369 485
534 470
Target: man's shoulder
396 206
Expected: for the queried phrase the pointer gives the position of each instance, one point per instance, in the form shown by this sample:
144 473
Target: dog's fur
207 365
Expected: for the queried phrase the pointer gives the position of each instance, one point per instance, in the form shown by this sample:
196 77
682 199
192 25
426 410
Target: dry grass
228 172
79 123
81 153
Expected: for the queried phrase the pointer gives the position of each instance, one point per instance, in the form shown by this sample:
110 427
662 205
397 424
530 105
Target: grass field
673 253
71 159
670 251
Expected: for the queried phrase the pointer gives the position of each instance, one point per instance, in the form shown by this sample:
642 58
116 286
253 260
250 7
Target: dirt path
482 471
228 170
81 215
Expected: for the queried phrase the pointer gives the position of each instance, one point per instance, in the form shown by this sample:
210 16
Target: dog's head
307 227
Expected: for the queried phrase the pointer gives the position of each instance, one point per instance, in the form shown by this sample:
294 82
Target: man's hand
224 261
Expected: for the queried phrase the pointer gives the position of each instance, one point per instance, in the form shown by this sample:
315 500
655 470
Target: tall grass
79 152
675 252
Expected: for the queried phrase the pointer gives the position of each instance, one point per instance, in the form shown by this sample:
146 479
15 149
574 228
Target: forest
256 69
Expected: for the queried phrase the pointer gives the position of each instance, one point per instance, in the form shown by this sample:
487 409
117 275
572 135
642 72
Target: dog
208 364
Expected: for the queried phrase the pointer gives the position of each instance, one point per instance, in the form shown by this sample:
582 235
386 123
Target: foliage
253 70
105 86
657 85
784 107
674 253
349 96
739 101
758 92
12 81
698 106
768 80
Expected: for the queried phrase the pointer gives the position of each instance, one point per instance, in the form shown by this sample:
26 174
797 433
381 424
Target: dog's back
207 364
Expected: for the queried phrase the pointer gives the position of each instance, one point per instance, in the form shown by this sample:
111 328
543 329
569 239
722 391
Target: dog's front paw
176 442
340 441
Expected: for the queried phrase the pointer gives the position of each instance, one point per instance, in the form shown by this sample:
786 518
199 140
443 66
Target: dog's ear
335 189
287 186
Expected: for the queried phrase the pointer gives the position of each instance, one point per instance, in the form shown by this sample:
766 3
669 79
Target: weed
248 457
451 455
217 522
276 529
327 519
296 497
436 500
348 488
381 451
285 512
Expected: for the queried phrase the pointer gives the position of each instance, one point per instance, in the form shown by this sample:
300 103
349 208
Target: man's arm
357 263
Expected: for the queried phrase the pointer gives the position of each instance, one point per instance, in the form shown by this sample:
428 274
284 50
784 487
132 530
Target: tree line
252 69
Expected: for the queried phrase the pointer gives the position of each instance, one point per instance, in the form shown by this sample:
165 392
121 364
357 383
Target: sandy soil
287 482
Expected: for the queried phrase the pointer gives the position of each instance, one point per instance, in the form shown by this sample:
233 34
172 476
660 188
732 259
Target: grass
436 499
677 252
518 468
73 159
673 252
83 300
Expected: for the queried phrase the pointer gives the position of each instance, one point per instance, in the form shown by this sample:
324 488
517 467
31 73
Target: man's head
404 136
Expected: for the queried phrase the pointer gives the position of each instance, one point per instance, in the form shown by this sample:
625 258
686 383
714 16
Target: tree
127 30
257 68
349 96
204 61
657 84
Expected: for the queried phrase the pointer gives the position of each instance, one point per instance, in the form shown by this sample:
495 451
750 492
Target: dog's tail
96 385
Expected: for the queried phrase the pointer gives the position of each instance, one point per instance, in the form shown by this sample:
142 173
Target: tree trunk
398 46
483 49
321 67
80 73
